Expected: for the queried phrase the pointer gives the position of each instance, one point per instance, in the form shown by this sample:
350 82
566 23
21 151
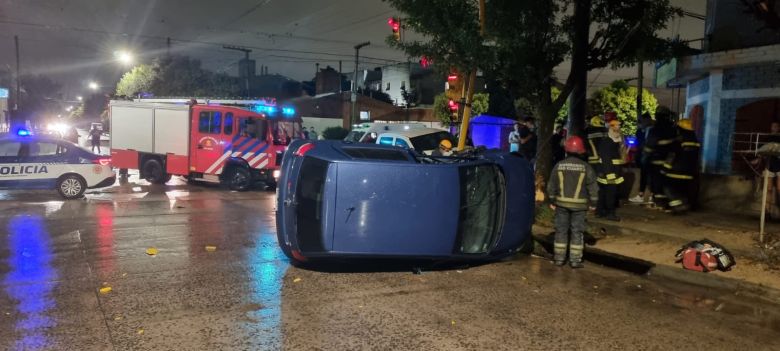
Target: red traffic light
394 23
453 105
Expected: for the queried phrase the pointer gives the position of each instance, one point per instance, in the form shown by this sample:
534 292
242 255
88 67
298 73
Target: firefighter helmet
597 121
445 145
574 145
685 124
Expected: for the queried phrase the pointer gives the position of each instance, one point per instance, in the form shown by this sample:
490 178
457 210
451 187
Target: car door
208 153
9 162
396 208
41 163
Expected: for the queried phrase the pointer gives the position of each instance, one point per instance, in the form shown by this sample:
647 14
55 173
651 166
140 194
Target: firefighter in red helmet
572 190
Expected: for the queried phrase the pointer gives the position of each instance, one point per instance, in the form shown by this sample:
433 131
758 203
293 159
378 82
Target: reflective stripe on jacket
572 184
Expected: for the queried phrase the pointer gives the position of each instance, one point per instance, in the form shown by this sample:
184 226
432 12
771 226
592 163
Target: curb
651 269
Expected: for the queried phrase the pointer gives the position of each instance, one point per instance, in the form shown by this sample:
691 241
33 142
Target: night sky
73 41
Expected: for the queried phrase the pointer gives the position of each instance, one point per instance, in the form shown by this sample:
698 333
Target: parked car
348 200
368 132
422 140
43 162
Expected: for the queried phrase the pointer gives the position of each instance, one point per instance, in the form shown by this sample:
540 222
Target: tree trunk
547 113
579 67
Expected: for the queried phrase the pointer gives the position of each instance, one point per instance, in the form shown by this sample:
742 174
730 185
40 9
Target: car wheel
239 179
153 172
71 186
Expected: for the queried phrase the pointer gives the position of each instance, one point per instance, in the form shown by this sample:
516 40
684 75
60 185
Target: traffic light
395 25
425 62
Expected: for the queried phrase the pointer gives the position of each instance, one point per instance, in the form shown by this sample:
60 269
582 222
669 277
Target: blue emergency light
631 141
23 132
288 111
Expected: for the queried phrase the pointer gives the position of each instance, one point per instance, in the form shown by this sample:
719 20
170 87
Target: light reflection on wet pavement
244 295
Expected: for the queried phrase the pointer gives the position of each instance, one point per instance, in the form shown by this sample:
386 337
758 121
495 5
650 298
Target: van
368 132
422 140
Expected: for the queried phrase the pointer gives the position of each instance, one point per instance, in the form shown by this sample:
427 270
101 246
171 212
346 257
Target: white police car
40 162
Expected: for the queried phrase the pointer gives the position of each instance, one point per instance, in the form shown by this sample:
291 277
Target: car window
210 122
386 140
354 136
228 123
429 141
39 149
482 204
402 143
375 154
9 149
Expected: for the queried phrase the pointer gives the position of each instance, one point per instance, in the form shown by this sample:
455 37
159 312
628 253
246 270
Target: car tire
154 173
239 179
71 186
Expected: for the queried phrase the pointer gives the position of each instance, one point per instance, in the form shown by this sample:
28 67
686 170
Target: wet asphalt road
55 257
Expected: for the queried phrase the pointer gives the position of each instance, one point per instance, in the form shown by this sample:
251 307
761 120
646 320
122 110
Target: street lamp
124 57
353 116
94 85
79 98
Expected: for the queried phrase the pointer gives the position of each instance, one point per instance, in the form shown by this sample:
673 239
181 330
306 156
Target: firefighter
595 132
609 171
572 191
656 150
445 148
680 167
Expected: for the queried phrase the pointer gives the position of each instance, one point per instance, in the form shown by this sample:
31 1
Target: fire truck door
209 149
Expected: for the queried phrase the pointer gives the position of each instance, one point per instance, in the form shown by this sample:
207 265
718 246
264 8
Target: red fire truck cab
205 142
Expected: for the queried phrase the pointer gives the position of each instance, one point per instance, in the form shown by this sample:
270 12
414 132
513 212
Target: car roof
411 133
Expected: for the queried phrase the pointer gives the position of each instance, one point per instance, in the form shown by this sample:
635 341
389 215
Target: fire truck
232 142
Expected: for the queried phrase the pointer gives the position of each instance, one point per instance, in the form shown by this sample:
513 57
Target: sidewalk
655 236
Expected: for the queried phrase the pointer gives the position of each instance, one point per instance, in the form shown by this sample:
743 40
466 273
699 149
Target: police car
41 162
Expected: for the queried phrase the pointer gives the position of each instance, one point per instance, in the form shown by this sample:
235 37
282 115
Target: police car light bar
23 132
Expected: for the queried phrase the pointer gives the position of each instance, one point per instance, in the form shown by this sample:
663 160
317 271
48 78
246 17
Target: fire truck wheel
240 179
153 172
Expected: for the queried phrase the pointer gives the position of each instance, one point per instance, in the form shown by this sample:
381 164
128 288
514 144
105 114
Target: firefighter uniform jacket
572 184
594 135
683 159
611 162
659 141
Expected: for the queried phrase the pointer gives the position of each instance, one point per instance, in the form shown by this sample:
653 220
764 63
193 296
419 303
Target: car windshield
429 141
311 185
354 136
482 205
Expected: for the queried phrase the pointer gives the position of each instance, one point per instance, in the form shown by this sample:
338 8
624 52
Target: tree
441 109
136 81
480 104
529 39
619 97
334 133
177 76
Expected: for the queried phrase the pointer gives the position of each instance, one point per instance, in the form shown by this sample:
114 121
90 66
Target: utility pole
18 84
168 46
353 97
247 72
471 83
340 77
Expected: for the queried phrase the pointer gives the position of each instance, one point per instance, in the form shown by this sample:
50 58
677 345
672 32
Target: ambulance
234 143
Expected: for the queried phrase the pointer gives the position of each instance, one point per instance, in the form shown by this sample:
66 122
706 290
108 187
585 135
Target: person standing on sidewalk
772 171
609 172
645 125
514 139
656 150
572 191
681 167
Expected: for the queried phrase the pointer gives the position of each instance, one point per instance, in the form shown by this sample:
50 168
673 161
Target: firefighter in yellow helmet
609 171
594 133
681 167
445 148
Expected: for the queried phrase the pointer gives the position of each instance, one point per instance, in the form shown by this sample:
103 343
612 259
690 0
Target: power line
192 41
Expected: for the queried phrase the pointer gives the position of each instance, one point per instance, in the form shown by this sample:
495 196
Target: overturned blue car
337 199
